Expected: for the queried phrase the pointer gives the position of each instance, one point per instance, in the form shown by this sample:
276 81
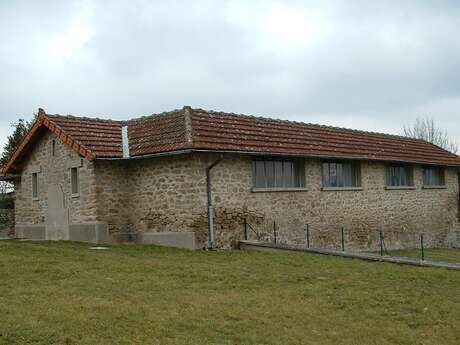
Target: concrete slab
169 239
89 232
33 232
272 247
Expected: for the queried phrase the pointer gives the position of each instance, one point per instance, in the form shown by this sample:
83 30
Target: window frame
273 181
53 148
442 177
409 176
35 186
75 182
355 173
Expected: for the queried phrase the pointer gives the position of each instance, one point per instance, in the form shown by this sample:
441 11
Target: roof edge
275 154
44 121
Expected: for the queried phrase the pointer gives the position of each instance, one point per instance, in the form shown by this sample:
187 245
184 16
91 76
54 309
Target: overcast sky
373 65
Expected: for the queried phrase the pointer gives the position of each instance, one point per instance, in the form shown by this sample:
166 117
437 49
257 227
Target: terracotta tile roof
197 129
224 131
157 133
101 137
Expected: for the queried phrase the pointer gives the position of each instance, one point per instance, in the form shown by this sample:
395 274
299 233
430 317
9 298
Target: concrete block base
91 233
169 239
34 232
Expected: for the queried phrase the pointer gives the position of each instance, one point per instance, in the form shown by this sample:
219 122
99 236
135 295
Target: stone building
197 178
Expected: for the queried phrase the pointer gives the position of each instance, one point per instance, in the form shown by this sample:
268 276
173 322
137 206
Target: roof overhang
276 154
42 124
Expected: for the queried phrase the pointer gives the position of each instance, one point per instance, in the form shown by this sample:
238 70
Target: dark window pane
35 185
299 174
340 178
278 173
74 180
399 176
341 174
348 176
357 174
333 174
260 180
270 173
279 183
288 174
434 176
326 181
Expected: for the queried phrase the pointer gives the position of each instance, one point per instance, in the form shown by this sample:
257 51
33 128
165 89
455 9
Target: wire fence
435 245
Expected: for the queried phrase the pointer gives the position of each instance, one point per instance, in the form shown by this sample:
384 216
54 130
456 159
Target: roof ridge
86 118
162 114
306 124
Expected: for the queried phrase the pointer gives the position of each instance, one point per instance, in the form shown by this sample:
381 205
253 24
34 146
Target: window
53 148
341 174
399 176
278 173
35 185
433 176
74 181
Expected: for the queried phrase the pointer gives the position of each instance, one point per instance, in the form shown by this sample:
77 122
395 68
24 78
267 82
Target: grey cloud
368 64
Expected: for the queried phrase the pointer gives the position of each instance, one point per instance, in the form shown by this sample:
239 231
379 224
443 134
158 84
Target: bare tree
426 129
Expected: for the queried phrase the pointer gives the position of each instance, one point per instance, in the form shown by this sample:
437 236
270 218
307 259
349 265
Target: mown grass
63 293
443 255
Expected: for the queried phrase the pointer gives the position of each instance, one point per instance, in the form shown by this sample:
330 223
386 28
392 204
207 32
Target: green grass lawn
63 293
444 255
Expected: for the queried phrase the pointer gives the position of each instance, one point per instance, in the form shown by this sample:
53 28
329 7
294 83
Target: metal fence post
381 242
343 239
422 247
274 232
308 235
246 232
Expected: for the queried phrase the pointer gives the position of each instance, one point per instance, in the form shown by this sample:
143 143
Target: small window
74 181
35 185
278 173
399 176
341 174
53 148
433 176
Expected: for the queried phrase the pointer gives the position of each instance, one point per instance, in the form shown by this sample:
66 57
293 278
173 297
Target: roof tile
198 129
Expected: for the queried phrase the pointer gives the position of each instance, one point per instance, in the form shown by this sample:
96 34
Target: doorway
57 215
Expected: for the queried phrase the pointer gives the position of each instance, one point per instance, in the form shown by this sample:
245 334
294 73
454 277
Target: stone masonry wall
169 194
165 196
402 215
151 195
114 197
55 169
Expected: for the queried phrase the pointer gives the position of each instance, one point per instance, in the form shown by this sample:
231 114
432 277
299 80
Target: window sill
274 190
434 187
35 199
400 188
341 189
75 195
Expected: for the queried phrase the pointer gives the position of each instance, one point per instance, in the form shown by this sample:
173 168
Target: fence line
322 236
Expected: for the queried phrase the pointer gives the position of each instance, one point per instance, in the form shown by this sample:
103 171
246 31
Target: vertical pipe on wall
246 230
308 235
211 235
422 245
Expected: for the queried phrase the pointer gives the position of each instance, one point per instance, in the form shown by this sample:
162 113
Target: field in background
63 293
